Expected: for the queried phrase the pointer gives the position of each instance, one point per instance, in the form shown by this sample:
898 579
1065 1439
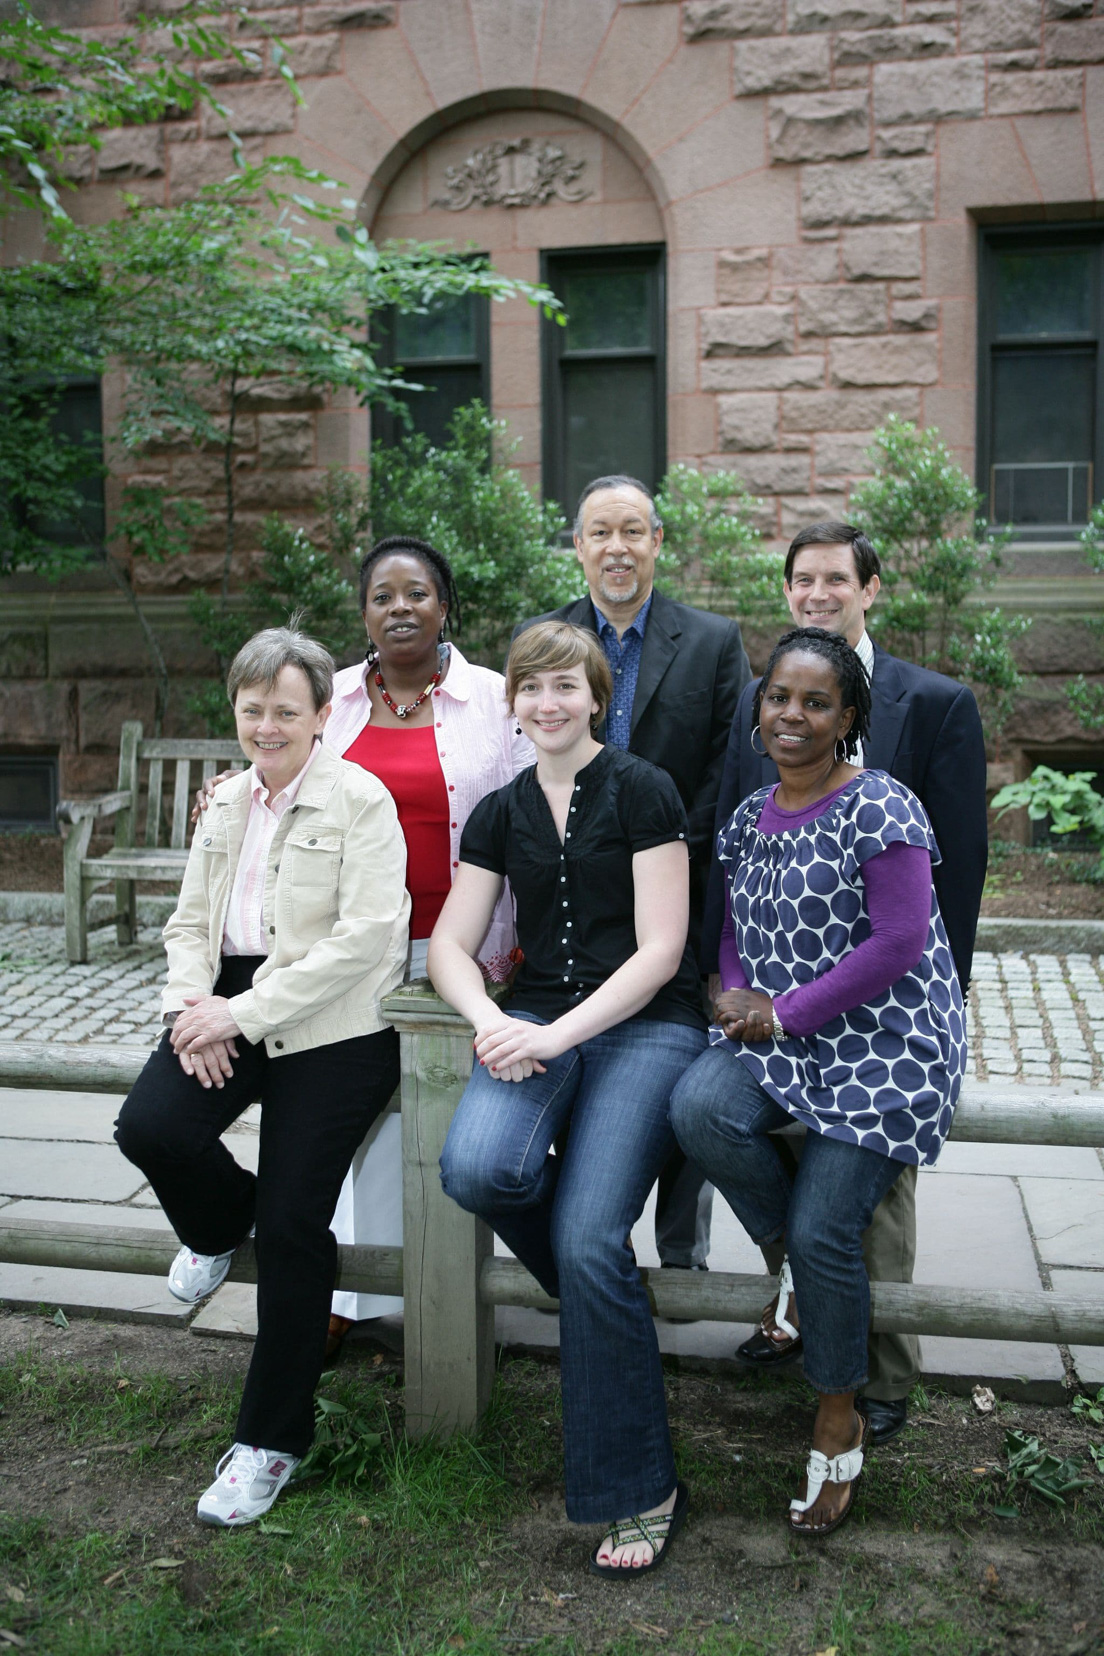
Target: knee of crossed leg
697 1123
149 1136
477 1180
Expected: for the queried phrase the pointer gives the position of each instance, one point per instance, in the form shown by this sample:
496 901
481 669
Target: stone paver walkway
1000 1216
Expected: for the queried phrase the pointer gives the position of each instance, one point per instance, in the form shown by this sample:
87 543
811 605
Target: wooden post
126 832
448 1330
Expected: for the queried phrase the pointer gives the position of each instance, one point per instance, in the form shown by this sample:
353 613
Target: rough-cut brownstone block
286 439
743 277
748 421
780 66
838 456
999 25
1048 91
827 505
915 315
919 40
313 55
321 19
929 91
217 71
864 192
737 331
1059 9
1075 42
278 396
775 473
904 140
729 19
808 262
819 126
760 373
131 152
841 14
45 706
894 360
254 109
842 310
23 653
846 410
931 11
1001 61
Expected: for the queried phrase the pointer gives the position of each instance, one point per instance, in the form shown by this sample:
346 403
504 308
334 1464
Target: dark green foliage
468 502
921 511
712 551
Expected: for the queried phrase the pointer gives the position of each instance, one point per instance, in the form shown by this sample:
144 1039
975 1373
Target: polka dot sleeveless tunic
887 1074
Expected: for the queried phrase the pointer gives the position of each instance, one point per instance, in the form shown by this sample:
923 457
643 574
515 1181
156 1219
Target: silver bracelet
776 1028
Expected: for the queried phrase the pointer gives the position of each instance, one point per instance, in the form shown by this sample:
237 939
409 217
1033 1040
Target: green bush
1070 801
475 508
712 551
921 511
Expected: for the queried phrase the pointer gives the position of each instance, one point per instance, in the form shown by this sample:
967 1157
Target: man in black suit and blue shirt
677 675
925 731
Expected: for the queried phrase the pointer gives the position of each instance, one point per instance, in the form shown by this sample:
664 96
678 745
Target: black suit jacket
693 667
925 730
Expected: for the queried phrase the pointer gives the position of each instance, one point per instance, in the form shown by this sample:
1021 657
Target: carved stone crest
512 172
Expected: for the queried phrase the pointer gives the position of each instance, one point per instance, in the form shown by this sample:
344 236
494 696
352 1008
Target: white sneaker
247 1481
194 1275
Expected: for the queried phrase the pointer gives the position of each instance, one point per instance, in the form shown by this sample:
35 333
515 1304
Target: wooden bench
129 862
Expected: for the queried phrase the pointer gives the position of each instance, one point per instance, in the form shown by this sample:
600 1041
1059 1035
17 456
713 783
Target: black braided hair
854 686
436 563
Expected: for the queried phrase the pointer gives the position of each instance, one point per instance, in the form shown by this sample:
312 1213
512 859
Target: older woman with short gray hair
291 927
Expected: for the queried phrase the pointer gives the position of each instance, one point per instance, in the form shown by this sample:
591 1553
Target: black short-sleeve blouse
575 901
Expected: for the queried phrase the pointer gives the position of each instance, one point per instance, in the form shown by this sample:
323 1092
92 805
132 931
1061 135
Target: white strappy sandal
819 1470
786 1297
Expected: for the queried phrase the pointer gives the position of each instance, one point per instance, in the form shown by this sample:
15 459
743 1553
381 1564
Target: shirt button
312 842
207 842
566 922
456 865
279 1045
574 808
564 940
619 672
452 787
567 836
272 931
570 962
439 726
563 881
452 825
569 922
436 692
567 980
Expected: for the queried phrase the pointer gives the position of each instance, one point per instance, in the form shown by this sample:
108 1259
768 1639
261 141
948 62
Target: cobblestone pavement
1033 1017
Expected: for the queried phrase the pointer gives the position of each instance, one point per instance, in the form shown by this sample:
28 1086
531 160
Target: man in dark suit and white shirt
925 730
677 674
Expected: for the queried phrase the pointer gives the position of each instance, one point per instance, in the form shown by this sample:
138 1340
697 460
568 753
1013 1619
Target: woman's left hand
514 1051
207 1019
745 1014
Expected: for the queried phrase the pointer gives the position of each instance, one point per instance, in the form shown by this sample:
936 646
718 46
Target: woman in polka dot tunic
840 1009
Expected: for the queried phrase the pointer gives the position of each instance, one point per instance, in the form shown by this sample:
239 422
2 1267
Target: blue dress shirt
623 655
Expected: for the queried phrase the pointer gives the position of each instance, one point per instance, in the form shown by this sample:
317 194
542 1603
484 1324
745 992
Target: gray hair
618 480
267 653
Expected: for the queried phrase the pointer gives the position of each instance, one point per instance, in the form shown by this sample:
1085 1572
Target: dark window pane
433 408
609 421
607 310
1043 405
1051 495
28 792
447 330
78 420
1045 291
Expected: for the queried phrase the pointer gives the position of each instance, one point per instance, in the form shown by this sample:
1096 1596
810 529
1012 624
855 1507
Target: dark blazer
925 730
693 667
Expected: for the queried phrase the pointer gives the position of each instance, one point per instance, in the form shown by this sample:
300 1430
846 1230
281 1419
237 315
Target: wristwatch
776 1028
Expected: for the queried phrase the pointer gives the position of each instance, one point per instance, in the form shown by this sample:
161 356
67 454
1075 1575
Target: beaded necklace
403 710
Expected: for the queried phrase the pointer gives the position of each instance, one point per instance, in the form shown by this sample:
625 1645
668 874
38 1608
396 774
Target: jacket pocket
311 858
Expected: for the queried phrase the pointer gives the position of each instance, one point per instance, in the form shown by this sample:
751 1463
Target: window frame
387 427
554 260
994 239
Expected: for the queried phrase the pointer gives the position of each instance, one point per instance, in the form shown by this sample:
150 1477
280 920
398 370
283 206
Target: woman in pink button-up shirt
437 732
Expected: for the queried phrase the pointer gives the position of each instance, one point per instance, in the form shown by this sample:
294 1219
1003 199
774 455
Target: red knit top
406 763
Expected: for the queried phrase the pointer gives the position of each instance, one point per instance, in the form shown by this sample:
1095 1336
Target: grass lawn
462 1545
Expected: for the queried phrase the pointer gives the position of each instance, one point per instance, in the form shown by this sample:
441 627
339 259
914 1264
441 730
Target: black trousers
316 1107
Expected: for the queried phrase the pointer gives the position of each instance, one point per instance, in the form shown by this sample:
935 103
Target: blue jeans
568 1219
722 1116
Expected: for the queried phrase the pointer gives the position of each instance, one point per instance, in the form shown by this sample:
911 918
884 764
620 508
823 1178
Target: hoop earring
762 752
836 754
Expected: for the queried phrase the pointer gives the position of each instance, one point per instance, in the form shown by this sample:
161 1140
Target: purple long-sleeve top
898 885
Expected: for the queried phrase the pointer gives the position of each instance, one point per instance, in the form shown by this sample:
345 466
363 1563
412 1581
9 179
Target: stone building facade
815 183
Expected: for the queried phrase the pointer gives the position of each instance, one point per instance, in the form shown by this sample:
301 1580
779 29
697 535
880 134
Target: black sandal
658 1532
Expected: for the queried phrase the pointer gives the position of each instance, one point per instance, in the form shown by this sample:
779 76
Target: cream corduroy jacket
336 910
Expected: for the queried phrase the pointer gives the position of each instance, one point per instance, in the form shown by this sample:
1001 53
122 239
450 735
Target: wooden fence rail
447 1271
